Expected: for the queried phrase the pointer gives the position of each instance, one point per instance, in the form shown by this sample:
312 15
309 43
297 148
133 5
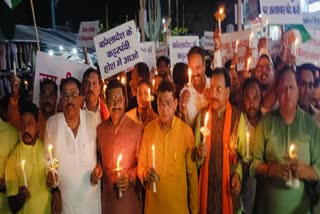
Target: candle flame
237 42
104 87
26 82
123 80
189 74
248 136
149 91
153 148
296 42
50 147
118 78
221 10
153 82
292 151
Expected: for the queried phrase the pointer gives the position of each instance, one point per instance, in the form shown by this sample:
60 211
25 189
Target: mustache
253 109
115 109
26 134
197 75
70 104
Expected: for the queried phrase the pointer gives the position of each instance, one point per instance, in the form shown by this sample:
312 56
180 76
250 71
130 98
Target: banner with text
208 43
55 68
179 47
118 49
87 31
281 12
148 51
162 50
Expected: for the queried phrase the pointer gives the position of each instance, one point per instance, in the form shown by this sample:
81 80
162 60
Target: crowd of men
228 141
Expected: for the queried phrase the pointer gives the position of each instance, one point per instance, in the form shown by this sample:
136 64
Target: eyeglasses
66 96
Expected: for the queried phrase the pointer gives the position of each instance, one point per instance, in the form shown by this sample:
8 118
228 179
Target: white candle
267 28
104 90
248 144
189 76
206 119
153 83
149 92
219 20
50 153
296 42
250 39
154 187
14 69
24 173
237 43
248 64
118 170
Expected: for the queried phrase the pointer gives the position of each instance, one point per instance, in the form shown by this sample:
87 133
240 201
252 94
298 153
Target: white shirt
77 157
97 113
196 102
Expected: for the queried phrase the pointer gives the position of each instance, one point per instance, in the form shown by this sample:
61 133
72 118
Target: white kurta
196 102
77 157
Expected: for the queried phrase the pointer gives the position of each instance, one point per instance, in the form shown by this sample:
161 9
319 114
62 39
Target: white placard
309 52
87 31
179 47
281 12
148 51
162 50
208 43
55 68
118 49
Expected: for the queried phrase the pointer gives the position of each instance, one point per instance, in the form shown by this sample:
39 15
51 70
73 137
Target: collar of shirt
172 125
85 106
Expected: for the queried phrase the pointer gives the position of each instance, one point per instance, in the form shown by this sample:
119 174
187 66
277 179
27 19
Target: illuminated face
287 91
220 93
306 85
142 96
28 128
198 69
167 105
116 103
71 100
91 86
264 71
252 100
48 99
163 69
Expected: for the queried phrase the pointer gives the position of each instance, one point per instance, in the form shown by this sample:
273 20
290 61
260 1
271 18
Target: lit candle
237 43
123 80
250 39
104 90
118 170
206 119
292 153
50 153
248 64
296 42
24 173
14 69
149 92
156 72
154 187
267 28
219 20
189 76
248 145
153 83
26 85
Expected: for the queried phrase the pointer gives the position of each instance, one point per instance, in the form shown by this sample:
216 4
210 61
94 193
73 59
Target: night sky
198 14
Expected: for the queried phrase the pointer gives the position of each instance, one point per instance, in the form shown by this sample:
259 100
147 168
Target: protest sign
281 12
179 47
208 43
55 68
162 50
118 49
87 31
148 51
311 22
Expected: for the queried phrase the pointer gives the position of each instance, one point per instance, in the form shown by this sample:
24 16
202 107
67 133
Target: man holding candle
274 135
26 168
72 134
165 164
118 140
8 139
91 89
217 154
193 96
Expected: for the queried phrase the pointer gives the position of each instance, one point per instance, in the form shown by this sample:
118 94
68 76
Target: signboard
179 47
87 31
148 51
